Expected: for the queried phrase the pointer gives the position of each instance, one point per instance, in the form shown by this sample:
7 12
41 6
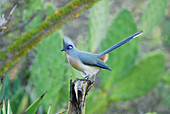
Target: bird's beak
63 49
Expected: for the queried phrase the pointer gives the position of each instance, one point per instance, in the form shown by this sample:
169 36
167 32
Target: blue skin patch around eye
69 47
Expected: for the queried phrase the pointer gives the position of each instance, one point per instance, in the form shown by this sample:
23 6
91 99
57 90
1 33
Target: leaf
34 106
165 90
14 92
2 80
166 33
96 102
3 107
98 24
0 86
23 104
9 111
49 110
16 98
140 79
155 39
122 59
48 72
49 8
153 14
166 77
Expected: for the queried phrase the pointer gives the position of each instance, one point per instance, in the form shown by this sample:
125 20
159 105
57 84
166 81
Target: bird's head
67 44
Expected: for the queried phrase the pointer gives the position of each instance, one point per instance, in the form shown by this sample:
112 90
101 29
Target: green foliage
31 7
98 24
49 9
16 99
49 110
48 72
0 86
14 93
23 104
166 77
1 82
153 14
140 79
4 107
122 59
9 111
5 110
30 110
166 33
155 39
96 102
166 89
34 106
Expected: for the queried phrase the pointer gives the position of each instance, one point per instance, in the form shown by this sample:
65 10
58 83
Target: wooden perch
78 92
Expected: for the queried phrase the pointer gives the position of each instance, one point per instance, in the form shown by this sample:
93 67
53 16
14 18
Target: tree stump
78 92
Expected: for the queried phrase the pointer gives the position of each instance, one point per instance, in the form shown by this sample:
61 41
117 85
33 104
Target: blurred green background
140 78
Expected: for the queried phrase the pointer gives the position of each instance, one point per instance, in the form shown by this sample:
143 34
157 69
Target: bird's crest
67 41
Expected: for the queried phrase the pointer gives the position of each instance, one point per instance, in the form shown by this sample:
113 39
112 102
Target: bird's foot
86 78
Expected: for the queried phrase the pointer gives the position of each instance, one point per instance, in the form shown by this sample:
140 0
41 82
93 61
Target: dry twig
3 22
21 25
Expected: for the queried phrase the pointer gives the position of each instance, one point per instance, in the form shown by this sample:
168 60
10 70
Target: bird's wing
92 60
102 64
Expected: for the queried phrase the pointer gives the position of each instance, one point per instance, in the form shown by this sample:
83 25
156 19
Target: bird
90 63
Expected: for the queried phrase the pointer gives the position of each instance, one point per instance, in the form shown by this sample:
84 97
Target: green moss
3 56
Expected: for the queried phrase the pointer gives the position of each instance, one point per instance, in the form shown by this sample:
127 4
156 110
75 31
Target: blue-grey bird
90 63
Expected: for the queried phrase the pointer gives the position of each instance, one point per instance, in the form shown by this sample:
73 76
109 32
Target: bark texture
78 92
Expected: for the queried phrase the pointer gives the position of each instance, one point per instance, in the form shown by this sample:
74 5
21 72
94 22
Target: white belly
89 70
85 69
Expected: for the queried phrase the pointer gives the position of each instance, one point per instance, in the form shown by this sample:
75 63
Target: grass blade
9 111
34 106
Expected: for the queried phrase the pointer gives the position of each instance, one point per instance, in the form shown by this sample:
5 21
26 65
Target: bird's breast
74 62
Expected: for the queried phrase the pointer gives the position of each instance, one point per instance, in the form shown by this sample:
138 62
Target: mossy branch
30 39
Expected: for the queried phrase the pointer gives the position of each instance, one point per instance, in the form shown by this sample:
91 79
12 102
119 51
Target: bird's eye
69 47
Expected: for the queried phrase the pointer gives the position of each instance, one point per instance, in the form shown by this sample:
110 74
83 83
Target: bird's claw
86 78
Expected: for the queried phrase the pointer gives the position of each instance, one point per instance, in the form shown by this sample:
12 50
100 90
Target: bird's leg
85 75
93 76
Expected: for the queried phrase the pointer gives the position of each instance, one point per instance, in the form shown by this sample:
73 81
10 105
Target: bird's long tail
121 43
